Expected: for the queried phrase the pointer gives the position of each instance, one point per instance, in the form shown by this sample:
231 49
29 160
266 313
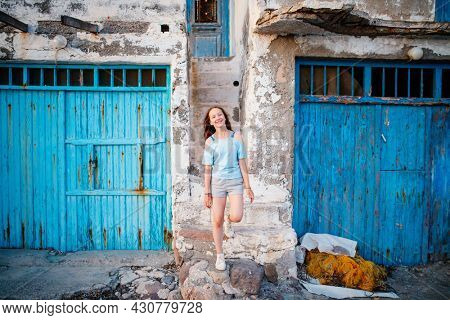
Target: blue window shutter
442 11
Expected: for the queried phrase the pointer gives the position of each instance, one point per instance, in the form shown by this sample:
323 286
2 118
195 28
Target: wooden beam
79 24
13 22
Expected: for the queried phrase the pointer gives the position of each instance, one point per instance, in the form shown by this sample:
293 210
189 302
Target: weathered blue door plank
31 202
403 210
439 165
340 180
403 135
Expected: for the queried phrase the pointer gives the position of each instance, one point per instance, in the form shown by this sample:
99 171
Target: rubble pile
240 280
147 283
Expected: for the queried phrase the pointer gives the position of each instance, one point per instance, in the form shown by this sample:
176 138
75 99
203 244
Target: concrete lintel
298 20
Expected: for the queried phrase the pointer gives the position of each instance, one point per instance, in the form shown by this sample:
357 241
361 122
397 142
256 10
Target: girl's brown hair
209 128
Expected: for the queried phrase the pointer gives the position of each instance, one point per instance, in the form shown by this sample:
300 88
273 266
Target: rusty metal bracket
80 24
13 22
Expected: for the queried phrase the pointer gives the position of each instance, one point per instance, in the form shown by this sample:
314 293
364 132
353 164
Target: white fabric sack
324 243
344 293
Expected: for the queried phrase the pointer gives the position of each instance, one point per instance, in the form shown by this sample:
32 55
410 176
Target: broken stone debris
149 289
145 283
128 277
200 280
270 271
246 276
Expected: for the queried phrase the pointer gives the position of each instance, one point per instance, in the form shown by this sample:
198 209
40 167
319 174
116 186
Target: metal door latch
93 163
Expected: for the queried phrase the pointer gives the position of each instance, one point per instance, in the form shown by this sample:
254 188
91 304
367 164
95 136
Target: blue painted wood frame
366 98
96 68
223 25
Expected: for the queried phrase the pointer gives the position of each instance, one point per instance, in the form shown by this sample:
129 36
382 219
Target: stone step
262 244
256 214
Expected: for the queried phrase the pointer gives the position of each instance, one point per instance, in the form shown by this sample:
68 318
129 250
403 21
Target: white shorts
221 187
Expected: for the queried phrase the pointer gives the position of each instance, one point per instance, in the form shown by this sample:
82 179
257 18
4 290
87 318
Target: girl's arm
248 190
207 197
244 171
243 167
207 161
207 179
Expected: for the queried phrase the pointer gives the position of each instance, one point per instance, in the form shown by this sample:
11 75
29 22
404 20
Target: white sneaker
220 262
227 229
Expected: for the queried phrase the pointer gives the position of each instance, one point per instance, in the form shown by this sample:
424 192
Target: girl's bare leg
217 212
236 207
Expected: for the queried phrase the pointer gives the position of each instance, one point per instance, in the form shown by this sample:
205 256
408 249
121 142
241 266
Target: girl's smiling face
216 118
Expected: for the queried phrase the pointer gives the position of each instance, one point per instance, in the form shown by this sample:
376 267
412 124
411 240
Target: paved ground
34 274
42 274
422 282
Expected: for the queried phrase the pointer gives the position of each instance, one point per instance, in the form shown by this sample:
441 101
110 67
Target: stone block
286 265
246 276
175 295
270 271
128 277
149 289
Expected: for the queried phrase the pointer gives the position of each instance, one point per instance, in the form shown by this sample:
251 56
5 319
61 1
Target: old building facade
346 133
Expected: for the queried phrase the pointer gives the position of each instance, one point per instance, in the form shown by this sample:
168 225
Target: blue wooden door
208 27
369 168
86 156
32 178
336 171
116 186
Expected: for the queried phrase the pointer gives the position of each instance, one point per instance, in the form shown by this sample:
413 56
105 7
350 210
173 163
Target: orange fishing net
345 271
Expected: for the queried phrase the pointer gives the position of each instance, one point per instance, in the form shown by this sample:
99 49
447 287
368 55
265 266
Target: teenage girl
225 173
